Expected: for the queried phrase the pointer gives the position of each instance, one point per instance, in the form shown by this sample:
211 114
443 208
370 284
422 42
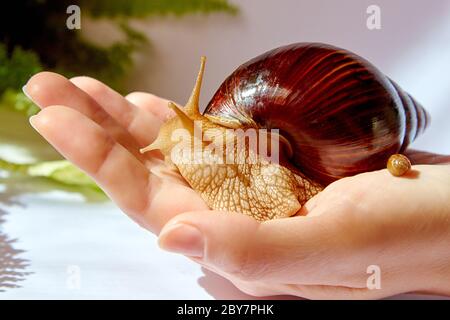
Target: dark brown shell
340 113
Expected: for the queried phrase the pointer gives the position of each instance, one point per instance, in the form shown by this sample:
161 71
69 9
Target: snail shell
398 165
340 114
337 114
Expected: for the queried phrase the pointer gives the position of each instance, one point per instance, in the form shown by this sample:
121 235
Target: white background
60 232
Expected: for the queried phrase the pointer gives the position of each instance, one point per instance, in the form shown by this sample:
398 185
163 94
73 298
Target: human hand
372 220
101 132
398 224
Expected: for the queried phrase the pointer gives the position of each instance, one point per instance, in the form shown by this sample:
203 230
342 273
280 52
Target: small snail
398 165
336 115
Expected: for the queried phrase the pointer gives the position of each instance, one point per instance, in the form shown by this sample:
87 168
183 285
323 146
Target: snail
332 114
398 165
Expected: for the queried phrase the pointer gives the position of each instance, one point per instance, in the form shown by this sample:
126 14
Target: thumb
281 250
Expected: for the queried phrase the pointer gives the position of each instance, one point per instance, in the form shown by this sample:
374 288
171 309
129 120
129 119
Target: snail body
337 116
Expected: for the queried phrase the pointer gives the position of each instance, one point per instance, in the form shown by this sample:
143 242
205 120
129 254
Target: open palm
101 132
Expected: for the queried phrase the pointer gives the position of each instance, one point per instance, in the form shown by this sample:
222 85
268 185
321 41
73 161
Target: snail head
239 178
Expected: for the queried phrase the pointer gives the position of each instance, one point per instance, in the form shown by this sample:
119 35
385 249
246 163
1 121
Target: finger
47 88
168 201
83 142
152 104
293 250
252 288
143 126
316 292
324 292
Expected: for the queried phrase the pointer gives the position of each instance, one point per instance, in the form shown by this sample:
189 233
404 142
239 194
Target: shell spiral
341 115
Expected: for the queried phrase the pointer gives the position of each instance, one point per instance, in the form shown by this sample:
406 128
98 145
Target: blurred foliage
36 30
34 37
59 171
16 68
16 100
144 8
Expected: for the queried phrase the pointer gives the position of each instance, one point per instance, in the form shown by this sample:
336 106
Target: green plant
36 38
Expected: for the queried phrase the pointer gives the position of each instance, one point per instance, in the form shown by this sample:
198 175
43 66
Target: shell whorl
341 115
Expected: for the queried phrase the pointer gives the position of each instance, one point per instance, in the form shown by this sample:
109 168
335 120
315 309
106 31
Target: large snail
336 113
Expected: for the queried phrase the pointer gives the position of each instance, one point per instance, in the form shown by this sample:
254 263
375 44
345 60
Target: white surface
116 258
60 234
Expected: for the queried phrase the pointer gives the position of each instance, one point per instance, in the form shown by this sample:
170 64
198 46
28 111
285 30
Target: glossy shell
341 115
398 165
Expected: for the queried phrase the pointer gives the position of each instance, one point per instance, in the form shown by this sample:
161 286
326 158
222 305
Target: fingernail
184 239
24 90
32 121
